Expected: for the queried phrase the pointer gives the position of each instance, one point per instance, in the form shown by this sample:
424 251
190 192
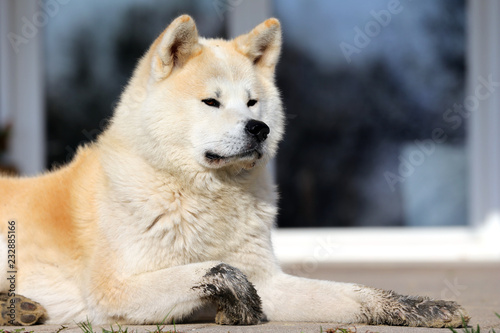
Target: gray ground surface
475 286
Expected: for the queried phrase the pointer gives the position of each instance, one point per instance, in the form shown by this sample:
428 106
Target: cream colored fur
127 229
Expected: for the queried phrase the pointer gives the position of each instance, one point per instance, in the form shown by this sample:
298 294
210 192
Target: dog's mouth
214 158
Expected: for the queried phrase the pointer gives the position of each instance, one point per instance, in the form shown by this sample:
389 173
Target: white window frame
21 83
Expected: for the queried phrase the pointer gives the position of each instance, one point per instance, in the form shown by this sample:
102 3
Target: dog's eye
211 102
251 102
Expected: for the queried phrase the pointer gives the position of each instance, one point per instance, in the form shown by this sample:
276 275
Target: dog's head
208 103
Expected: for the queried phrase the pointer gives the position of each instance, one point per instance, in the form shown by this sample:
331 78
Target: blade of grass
86 326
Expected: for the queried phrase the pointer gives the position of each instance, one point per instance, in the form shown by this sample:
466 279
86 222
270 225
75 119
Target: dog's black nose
257 129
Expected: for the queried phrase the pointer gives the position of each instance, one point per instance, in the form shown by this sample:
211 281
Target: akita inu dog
172 207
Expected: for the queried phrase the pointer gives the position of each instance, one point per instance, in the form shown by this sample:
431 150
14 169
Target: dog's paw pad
20 311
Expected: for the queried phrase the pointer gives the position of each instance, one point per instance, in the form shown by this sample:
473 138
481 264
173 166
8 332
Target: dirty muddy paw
221 318
236 298
237 316
422 311
20 311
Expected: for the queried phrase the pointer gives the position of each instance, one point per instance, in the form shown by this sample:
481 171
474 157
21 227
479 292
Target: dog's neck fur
177 204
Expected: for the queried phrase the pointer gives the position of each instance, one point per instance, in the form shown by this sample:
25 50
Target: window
368 88
343 154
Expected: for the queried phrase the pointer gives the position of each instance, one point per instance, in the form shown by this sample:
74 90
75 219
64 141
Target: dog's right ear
174 46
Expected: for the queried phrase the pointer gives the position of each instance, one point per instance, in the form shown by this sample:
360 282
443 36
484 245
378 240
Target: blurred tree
346 124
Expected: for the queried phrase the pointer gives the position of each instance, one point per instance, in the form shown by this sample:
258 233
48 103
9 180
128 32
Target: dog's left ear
262 45
174 46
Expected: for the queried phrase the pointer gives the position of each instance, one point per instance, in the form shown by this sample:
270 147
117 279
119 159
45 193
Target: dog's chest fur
168 224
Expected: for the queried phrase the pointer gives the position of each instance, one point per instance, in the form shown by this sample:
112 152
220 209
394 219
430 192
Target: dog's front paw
422 311
236 298
227 316
20 311
419 311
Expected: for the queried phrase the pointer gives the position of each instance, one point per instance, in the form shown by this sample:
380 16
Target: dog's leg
288 297
173 293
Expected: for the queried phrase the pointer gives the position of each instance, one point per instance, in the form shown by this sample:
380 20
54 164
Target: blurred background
374 93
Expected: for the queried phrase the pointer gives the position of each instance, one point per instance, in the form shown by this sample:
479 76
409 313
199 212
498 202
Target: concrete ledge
336 245
476 286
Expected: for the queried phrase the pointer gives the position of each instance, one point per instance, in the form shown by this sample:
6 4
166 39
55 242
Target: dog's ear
262 45
174 46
